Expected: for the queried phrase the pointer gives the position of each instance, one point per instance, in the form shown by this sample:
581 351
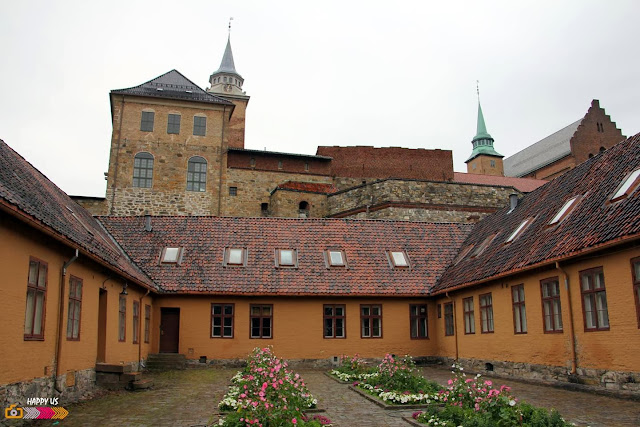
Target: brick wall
370 162
589 139
486 165
419 200
278 162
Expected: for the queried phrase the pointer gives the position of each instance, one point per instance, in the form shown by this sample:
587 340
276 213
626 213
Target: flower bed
267 394
474 402
352 369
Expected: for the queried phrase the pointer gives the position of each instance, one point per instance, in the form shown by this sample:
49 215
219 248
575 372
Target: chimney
513 201
147 221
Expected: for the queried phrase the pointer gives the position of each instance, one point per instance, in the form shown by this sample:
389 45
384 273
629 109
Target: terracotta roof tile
29 194
430 248
594 221
524 185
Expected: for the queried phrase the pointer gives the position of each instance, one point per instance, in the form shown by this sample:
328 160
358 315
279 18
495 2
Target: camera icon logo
13 413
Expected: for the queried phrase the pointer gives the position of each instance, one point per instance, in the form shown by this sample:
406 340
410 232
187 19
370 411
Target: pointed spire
226 79
481 129
227 65
482 142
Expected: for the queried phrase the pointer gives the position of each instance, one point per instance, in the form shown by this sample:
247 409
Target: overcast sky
379 73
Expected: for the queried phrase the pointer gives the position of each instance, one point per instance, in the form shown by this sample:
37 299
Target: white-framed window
235 257
286 258
565 210
336 258
628 186
399 259
171 255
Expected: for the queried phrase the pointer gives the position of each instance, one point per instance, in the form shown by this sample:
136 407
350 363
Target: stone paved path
189 398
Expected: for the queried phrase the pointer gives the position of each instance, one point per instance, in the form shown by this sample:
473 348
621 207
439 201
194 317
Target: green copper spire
482 142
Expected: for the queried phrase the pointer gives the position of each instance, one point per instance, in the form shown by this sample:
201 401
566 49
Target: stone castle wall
286 203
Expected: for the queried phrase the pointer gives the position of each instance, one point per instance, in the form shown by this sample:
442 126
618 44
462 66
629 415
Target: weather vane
230 19
478 89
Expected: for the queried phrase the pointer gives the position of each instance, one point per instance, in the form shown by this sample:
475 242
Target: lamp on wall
124 289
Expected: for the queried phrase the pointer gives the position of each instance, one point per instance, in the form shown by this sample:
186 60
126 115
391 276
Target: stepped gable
31 197
173 85
307 187
430 248
524 185
594 223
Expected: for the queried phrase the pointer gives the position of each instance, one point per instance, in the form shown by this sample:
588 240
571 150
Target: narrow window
264 209
469 318
602 149
594 300
448 319
635 272
122 318
519 311
136 322
286 258
371 321
398 259
143 170
253 162
197 174
439 310
334 321
551 308
565 210
235 257
199 125
173 124
279 164
306 166
336 258
75 308
261 321
171 255
303 209
147 322
628 186
418 319
222 320
146 121
486 313
519 230
36 298
233 191
492 163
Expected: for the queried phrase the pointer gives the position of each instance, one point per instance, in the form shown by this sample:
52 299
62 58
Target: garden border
385 406
338 380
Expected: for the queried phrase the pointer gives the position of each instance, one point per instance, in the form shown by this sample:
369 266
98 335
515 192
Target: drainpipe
572 335
56 371
224 113
455 323
140 337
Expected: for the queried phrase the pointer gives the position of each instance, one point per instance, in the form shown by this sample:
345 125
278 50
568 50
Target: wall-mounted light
124 289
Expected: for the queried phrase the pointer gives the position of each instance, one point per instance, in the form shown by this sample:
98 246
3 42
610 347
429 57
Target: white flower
512 402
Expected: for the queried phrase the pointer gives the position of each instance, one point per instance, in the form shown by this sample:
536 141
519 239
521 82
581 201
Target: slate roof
30 196
593 224
173 85
524 185
430 248
307 187
544 152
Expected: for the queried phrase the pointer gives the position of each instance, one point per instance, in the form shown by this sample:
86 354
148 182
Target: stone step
144 384
167 356
113 367
166 361
128 377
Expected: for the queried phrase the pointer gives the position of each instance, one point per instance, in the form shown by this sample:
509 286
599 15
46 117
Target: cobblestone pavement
189 398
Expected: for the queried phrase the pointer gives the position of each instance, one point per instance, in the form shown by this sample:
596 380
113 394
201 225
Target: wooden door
169 330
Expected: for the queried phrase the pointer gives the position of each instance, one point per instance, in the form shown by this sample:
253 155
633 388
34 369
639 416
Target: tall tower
484 159
227 83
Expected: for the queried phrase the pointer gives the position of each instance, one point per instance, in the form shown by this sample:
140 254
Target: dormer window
336 258
286 258
519 230
171 255
236 257
628 186
399 259
565 210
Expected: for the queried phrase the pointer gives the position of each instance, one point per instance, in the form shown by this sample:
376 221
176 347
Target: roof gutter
546 263
31 221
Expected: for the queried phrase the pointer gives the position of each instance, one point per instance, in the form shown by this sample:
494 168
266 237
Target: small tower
227 83
484 159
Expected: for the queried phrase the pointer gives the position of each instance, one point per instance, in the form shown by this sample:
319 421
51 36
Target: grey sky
375 73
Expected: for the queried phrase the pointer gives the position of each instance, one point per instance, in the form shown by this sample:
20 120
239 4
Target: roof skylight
235 256
628 186
399 259
519 230
564 210
171 255
336 258
286 258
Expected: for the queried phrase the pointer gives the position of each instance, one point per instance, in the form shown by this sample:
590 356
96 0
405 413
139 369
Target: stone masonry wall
286 203
419 200
254 188
95 205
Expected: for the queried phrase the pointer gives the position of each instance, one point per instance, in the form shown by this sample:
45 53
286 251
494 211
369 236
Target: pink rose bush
267 394
474 402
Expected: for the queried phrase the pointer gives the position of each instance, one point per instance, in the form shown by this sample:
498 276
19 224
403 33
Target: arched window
143 170
303 209
602 149
197 174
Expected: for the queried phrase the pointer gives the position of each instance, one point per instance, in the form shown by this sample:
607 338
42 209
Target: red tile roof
524 185
29 195
594 222
308 187
430 248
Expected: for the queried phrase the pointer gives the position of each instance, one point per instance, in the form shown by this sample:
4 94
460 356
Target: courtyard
190 397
